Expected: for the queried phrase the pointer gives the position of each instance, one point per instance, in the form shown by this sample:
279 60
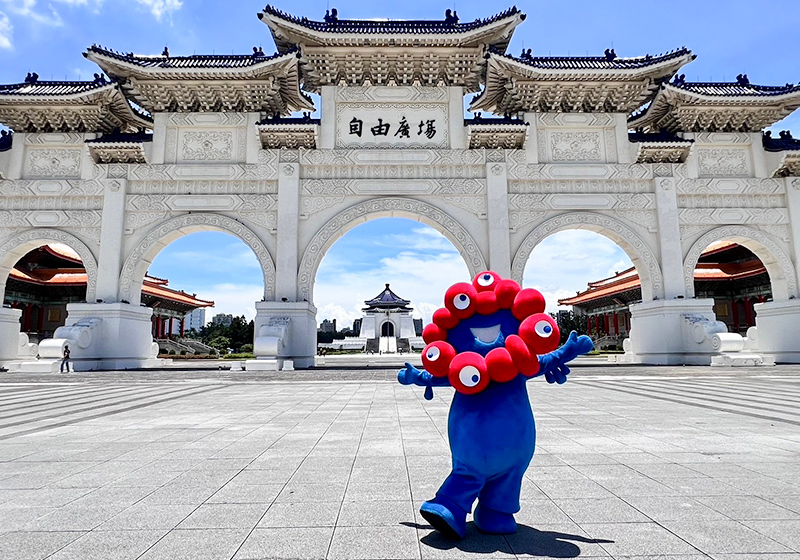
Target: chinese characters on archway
401 129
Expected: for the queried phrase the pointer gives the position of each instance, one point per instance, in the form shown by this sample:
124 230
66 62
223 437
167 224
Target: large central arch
139 260
642 256
13 248
775 260
385 208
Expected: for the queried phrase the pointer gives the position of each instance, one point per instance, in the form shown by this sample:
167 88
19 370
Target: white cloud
25 8
160 7
236 299
6 32
566 262
49 16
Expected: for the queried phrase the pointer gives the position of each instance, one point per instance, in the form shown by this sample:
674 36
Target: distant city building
328 326
224 319
357 326
418 327
196 320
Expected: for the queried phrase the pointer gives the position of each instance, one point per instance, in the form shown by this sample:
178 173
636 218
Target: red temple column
588 323
183 325
748 311
616 323
169 329
26 317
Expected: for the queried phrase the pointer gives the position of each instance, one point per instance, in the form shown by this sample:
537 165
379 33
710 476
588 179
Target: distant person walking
65 359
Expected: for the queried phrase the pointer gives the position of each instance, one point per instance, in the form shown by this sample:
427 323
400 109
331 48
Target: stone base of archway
285 333
673 332
778 329
9 335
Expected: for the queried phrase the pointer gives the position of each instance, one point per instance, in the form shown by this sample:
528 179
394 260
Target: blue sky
730 37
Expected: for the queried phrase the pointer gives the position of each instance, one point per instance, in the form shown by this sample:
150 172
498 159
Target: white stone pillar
624 148
669 238
111 239
497 218
778 324
16 158
532 142
327 129
458 132
9 334
792 189
159 138
288 231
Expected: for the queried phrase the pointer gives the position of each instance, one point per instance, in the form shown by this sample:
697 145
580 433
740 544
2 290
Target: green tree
220 342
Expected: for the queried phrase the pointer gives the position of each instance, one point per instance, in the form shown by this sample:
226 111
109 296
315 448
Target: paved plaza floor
631 462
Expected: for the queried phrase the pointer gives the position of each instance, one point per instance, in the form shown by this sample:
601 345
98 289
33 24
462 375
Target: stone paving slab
631 462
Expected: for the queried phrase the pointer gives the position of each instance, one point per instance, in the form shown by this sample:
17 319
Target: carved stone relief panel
216 145
724 162
53 162
581 145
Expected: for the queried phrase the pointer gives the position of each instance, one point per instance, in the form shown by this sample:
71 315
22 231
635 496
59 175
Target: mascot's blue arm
412 376
553 365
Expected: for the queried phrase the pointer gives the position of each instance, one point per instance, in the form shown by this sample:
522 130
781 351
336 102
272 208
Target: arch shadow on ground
526 541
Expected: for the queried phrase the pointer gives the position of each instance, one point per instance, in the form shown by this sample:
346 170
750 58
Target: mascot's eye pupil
475 378
433 354
543 329
461 301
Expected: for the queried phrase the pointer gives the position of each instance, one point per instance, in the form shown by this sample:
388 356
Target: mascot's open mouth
487 335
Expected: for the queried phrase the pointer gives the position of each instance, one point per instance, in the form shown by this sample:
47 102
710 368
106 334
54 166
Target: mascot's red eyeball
468 373
460 300
540 333
436 358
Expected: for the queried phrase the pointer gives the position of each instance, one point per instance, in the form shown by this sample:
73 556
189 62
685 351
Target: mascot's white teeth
486 334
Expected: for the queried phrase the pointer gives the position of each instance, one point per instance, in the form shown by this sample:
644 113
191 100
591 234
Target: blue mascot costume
488 340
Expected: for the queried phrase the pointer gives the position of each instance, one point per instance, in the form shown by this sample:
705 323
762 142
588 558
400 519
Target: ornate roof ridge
605 62
80 85
120 137
660 136
289 120
161 61
397 25
728 89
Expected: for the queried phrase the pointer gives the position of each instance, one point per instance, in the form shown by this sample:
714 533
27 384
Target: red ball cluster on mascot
490 337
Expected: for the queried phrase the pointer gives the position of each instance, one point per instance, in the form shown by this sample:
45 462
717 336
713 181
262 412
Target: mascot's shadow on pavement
527 541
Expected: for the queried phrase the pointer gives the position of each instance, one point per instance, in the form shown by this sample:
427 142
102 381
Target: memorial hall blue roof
366 26
387 298
594 62
188 62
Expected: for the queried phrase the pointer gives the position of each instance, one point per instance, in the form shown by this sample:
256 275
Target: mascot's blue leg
498 501
447 512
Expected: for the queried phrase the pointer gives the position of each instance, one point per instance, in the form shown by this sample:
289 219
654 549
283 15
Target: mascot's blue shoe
495 522
451 522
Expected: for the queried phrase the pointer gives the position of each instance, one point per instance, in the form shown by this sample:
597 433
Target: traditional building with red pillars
46 279
728 273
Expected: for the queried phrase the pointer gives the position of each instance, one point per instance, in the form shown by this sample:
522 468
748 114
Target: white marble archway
13 248
142 255
640 253
778 264
346 220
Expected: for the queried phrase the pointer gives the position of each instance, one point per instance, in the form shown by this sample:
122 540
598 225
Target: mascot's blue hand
553 365
410 375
